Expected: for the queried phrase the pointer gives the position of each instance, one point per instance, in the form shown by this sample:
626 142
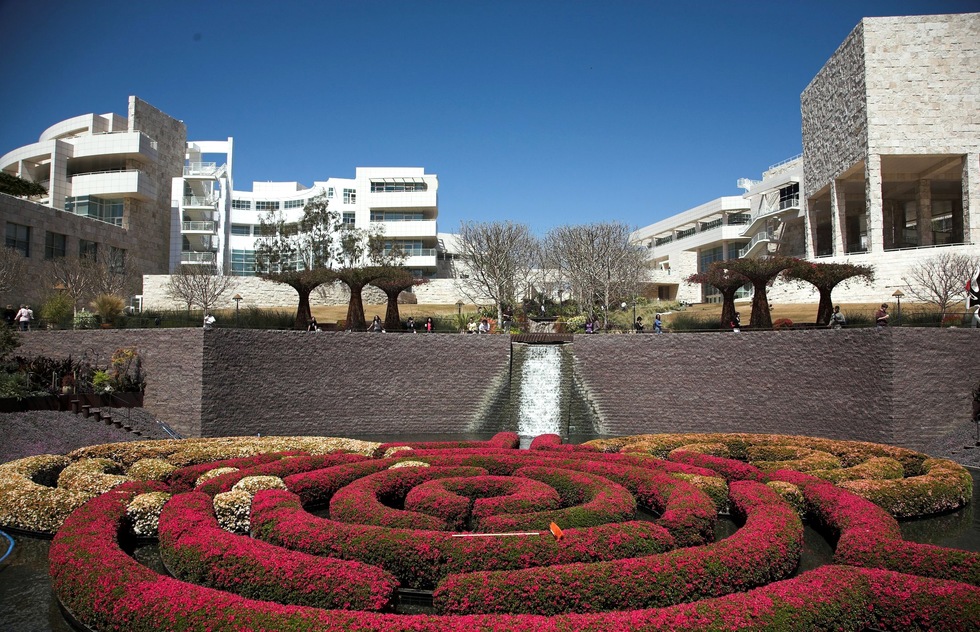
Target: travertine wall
834 113
171 360
899 386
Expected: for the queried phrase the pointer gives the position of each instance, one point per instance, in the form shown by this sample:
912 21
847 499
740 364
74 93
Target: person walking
736 323
881 316
837 320
23 318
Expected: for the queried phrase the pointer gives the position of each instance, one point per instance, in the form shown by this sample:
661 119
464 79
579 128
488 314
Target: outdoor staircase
101 414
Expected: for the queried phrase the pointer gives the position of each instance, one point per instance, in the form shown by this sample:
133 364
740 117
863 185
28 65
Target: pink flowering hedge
333 571
183 479
195 549
766 548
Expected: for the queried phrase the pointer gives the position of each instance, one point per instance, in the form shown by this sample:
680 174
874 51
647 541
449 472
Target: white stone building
890 170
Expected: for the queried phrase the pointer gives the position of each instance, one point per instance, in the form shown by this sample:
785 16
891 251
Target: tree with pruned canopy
825 277
727 282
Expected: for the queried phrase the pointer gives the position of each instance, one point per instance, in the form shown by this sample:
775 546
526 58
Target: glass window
739 219
411 247
19 238
329 192
243 262
397 216
108 210
244 230
294 203
244 205
347 219
397 186
709 256
267 205
54 245
789 196
117 260
350 196
87 249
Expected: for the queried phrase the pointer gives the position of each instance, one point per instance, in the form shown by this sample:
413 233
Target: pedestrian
658 325
837 320
638 325
429 325
209 321
736 323
376 325
23 317
881 316
505 322
313 324
410 324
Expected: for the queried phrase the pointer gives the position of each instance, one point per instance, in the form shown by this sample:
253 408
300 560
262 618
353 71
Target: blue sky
541 112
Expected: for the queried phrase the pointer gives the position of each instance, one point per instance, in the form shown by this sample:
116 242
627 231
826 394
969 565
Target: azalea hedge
322 534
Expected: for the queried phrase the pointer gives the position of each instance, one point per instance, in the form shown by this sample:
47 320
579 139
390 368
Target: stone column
971 199
923 212
809 230
875 211
838 225
60 186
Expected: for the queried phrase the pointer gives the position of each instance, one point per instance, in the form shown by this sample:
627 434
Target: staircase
101 414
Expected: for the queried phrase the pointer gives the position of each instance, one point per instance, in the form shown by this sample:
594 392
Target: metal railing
197 257
207 227
209 169
197 200
763 236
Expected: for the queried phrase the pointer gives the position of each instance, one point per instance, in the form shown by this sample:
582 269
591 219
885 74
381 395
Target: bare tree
600 263
500 257
941 280
199 285
12 267
75 277
114 274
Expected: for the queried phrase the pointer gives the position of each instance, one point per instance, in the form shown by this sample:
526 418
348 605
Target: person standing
638 325
881 316
837 320
410 324
736 323
658 325
429 325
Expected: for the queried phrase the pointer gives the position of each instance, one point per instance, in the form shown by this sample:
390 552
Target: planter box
63 402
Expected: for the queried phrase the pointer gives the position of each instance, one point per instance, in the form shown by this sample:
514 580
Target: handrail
195 226
763 236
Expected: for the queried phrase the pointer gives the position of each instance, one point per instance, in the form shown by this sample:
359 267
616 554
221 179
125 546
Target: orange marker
556 531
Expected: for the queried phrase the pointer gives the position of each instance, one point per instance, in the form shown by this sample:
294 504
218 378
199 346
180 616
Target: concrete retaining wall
899 386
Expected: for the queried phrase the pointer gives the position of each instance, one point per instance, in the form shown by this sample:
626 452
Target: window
87 249
243 262
19 238
398 185
687 232
54 245
709 256
108 210
117 260
350 196
660 241
739 219
397 216
410 247
715 223
242 205
294 203
329 192
244 230
347 219
789 196
267 205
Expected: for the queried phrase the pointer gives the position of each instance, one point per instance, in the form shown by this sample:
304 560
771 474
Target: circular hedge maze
333 534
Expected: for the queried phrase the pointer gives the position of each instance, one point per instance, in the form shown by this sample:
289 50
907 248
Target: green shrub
108 306
58 309
681 321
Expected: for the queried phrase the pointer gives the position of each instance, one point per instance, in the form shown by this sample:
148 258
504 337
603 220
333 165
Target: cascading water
539 409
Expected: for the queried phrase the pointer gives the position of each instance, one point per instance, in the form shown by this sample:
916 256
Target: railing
739 219
681 234
197 226
95 173
416 252
197 200
784 162
197 257
763 236
715 223
203 169
660 241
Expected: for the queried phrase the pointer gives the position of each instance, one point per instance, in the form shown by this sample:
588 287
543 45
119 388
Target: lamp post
898 298
459 308
238 299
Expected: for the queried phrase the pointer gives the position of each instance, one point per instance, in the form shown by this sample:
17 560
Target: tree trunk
826 307
728 307
761 318
355 308
393 320
303 314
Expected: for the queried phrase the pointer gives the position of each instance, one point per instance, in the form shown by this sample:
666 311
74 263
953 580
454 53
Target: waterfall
539 409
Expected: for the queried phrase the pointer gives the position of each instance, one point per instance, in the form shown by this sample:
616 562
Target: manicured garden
306 533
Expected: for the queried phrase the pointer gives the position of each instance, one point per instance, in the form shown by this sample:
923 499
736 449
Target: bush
58 309
109 307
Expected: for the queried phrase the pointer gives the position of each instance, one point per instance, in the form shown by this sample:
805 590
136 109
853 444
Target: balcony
758 243
197 227
199 201
423 258
412 228
119 183
198 258
204 170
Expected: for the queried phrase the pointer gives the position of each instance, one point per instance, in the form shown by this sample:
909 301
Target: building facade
890 169
108 182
